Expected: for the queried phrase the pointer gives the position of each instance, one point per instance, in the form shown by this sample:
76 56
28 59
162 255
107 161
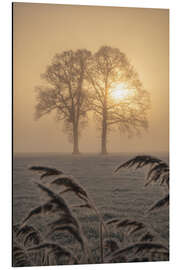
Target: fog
41 30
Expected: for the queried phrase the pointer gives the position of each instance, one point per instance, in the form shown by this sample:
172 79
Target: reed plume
158 173
137 249
139 162
55 198
161 203
132 225
72 185
49 251
67 218
45 171
147 237
145 234
29 235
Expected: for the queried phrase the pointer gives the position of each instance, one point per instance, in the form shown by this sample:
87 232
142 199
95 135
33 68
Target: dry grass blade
20 257
32 238
68 223
16 228
25 230
49 207
112 221
71 184
142 259
28 235
56 198
150 247
125 223
52 248
147 237
46 171
159 172
71 229
138 248
112 245
17 251
85 205
139 162
62 204
132 225
160 256
161 203
165 179
64 220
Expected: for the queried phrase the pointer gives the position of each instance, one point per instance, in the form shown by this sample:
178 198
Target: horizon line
58 152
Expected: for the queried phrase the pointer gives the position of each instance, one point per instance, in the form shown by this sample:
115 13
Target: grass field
116 196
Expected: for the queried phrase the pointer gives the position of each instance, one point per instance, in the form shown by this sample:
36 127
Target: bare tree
66 92
107 70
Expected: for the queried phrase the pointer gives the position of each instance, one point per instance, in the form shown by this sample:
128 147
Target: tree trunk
104 135
75 140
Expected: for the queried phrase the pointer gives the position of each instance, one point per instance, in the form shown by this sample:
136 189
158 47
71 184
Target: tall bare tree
127 109
66 92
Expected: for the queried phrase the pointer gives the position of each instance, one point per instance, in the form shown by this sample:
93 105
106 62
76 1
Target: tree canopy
66 92
78 82
109 71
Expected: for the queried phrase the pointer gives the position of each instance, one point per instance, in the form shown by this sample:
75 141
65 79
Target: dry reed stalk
101 241
72 185
77 232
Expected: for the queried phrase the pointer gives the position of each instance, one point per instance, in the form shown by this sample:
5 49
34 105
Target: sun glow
120 92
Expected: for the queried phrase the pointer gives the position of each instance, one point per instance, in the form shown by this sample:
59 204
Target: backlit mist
42 30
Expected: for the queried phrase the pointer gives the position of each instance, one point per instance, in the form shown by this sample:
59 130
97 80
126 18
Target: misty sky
41 30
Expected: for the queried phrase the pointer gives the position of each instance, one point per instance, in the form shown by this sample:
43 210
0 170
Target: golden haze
41 30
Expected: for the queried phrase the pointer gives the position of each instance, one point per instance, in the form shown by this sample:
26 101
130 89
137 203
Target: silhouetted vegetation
158 173
78 82
108 70
138 241
66 92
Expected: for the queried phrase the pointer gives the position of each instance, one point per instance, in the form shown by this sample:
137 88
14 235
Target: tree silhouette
66 92
107 70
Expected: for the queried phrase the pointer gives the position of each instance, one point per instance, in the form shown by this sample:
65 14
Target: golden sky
41 30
